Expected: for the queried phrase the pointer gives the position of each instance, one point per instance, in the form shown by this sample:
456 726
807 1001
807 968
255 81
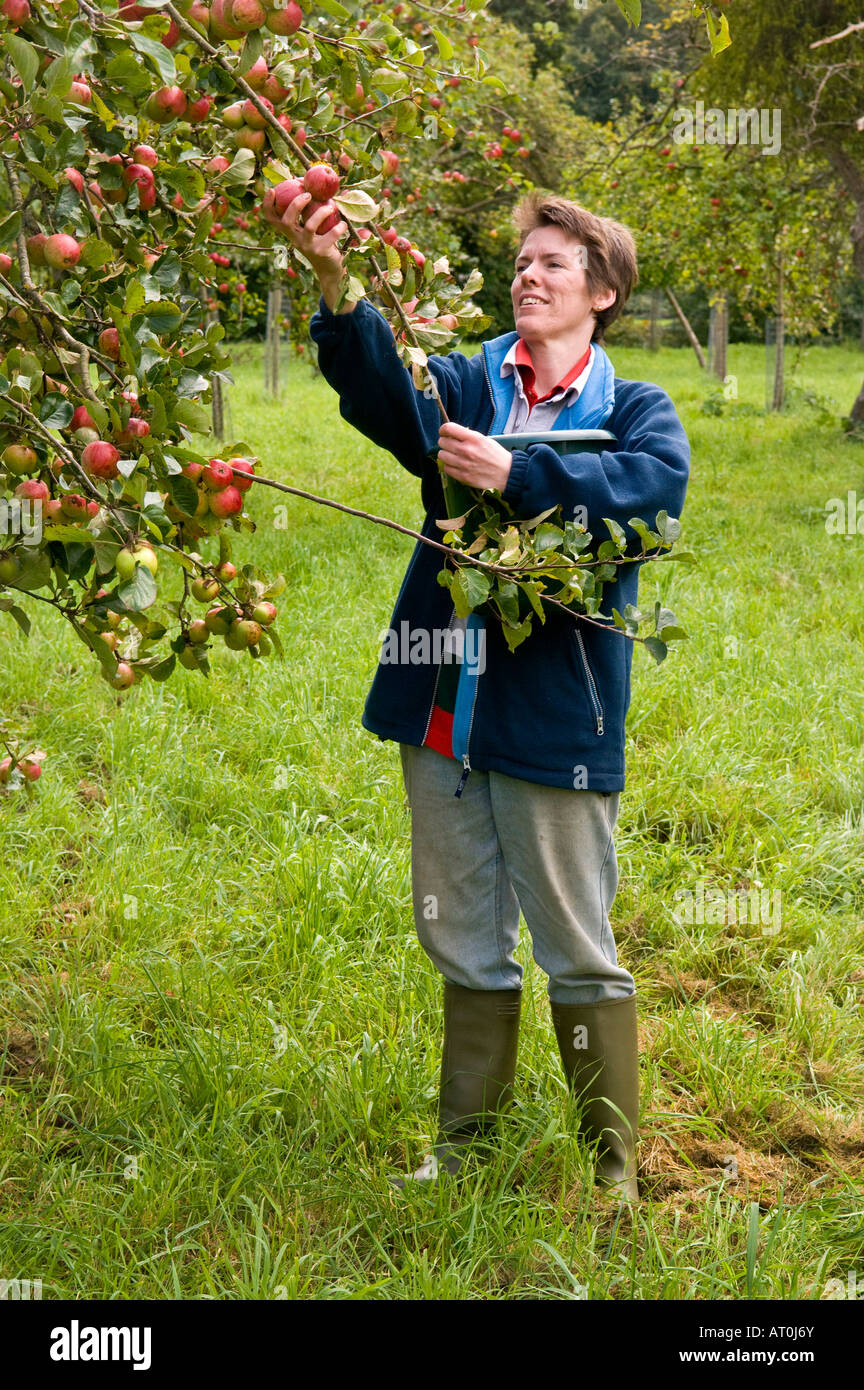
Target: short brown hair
610 248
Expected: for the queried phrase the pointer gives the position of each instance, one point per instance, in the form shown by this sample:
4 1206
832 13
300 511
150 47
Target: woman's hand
321 252
473 458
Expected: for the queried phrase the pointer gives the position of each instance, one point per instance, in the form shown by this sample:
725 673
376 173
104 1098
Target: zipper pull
599 723
466 771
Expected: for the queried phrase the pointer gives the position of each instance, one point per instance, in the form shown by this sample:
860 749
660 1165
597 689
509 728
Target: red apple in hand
322 181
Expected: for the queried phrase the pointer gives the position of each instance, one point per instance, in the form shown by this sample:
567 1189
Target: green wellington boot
599 1049
478 1066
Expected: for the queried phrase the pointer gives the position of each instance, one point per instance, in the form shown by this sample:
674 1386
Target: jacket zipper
466 765
592 685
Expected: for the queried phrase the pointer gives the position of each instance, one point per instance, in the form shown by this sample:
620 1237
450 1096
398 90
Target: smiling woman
527 820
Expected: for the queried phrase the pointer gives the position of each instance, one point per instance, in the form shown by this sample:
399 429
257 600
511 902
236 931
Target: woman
514 761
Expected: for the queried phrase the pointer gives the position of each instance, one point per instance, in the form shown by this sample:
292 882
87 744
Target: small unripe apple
257 74
232 117
198 631
204 590
389 162
226 571
218 620
19 459
36 248
264 613
74 506
128 559
242 633
9 569
123 677
248 139
109 343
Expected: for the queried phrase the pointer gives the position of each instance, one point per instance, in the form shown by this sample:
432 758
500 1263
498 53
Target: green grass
221 1035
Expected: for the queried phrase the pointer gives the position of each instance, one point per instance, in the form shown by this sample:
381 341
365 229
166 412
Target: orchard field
221 1034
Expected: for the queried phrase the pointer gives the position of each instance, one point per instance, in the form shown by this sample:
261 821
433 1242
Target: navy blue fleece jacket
553 711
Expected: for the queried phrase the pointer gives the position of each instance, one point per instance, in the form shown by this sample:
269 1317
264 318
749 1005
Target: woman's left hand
473 458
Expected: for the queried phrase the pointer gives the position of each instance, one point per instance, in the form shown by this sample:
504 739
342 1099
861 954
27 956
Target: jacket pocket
591 684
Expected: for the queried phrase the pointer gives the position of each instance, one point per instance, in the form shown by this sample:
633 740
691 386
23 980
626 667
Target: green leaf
139 592
617 532
668 526
163 316
196 417
20 617
333 7
445 47
35 571
95 253
160 56
658 649
251 52
25 58
55 411
469 589
718 32
183 493
128 74
685 556
632 10
240 170
162 669
10 227
357 205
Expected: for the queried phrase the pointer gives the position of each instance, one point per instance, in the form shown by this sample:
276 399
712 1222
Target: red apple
252 116
238 467
109 343
217 475
286 20
322 181
228 502
327 223
33 490
168 104
99 460
284 194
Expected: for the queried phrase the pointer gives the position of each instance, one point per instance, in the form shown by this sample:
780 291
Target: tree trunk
862 328
853 180
654 323
272 340
217 403
719 336
688 328
780 344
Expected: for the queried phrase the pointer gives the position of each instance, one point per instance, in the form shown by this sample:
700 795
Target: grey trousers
505 844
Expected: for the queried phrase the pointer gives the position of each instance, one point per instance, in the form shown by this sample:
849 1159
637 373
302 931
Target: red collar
526 371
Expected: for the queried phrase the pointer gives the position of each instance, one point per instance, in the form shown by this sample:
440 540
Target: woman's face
550 269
